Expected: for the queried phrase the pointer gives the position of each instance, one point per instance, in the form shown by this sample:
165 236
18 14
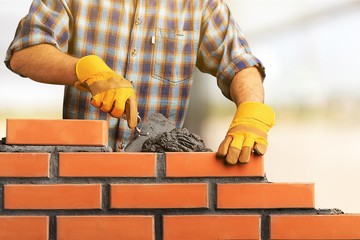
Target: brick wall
60 181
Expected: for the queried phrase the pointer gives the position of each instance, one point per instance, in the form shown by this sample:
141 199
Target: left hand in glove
247 133
110 92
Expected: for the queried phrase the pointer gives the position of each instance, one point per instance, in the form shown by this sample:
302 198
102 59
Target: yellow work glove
247 133
110 92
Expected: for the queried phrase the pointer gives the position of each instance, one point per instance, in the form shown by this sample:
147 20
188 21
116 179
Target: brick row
178 227
144 165
56 132
111 164
159 195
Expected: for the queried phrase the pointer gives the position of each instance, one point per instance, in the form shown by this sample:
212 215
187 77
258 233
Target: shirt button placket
133 53
138 21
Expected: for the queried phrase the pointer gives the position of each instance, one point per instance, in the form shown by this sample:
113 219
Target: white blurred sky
310 49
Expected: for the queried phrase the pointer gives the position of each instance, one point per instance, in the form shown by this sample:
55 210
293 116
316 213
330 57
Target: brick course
56 132
88 192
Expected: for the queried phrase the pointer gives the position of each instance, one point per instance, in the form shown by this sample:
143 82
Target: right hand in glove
110 92
248 132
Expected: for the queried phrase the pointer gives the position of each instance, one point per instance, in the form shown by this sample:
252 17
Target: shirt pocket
174 54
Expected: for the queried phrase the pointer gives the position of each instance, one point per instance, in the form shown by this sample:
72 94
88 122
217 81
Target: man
138 57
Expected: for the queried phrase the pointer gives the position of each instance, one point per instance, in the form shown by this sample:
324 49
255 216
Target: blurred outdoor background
310 49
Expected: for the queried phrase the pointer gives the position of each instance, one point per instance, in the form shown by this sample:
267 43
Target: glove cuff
251 111
90 66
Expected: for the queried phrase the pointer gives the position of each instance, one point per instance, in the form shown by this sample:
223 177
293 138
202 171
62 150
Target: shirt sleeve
223 50
48 22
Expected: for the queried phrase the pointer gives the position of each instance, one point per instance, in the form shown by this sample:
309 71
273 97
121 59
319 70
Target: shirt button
133 53
138 21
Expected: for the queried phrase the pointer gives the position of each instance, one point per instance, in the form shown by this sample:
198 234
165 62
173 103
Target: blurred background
310 49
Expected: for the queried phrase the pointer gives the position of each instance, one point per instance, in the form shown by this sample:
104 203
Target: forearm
247 86
45 63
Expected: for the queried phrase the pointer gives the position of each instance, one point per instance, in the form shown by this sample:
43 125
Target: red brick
24 227
107 164
211 227
105 227
208 165
57 132
59 196
315 227
265 195
159 195
24 164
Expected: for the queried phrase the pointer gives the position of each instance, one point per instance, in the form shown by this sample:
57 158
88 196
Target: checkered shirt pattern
154 43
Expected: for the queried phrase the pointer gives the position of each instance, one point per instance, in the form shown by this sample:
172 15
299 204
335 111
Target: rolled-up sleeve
223 50
47 22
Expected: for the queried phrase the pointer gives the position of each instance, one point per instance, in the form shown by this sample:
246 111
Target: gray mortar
177 140
31 148
158 134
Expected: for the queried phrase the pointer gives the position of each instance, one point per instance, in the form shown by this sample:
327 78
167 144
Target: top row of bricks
56 132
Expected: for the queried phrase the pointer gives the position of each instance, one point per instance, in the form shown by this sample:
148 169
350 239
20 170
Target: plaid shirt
154 43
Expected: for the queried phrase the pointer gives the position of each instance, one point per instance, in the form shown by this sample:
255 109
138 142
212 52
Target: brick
315 227
208 165
59 196
107 164
57 132
265 195
194 195
24 164
211 227
105 227
24 227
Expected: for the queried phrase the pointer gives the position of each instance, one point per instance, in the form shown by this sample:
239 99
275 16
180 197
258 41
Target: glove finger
260 148
131 112
245 154
233 154
118 107
246 149
109 101
224 146
96 100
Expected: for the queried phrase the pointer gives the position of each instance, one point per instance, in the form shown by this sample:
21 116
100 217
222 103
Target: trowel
153 126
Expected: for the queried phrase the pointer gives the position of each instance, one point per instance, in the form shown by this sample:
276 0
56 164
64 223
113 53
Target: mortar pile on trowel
158 134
